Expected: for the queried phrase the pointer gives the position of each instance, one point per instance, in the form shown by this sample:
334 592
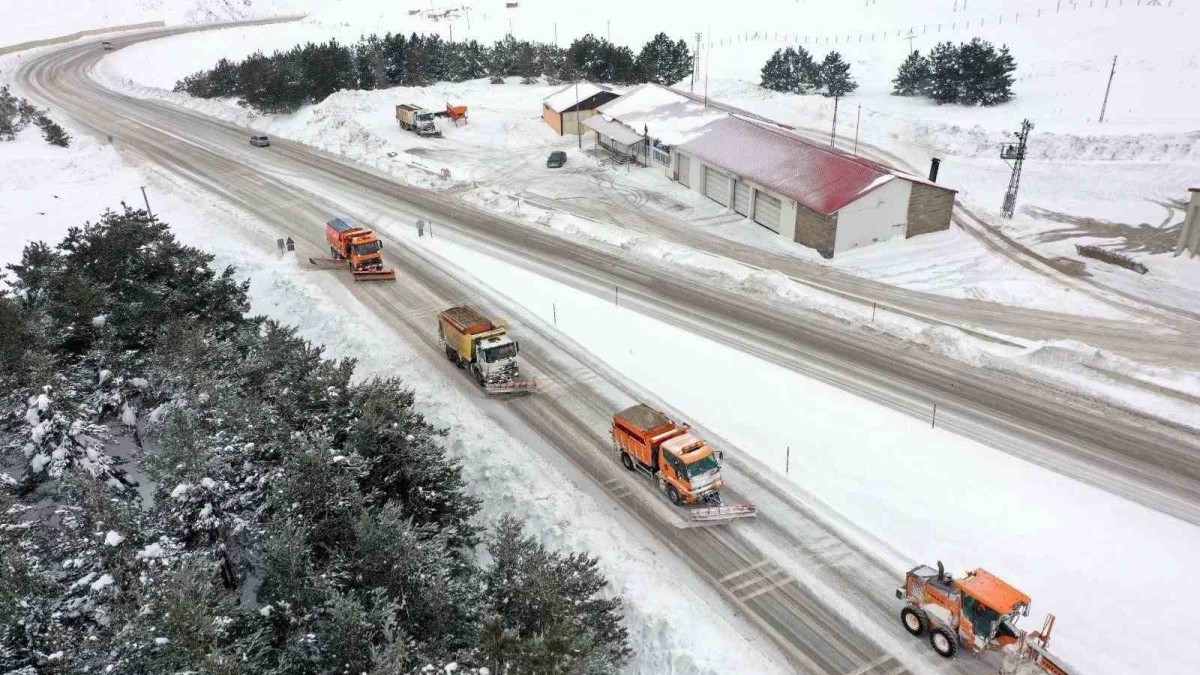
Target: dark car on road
260 141
556 159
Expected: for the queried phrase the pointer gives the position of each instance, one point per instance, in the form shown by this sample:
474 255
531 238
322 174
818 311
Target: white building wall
877 216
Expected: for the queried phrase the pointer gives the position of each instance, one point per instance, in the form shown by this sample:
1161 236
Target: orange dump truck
684 466
356 248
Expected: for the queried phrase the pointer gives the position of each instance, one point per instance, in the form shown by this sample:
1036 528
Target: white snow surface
150 552
113 538
572 94
1071 546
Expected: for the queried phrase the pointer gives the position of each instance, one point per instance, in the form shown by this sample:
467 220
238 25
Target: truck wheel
334 252
673 495
627 460
944 642
916 621
450 355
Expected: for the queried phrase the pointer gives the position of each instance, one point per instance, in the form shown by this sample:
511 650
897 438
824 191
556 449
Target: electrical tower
1015 154
695 62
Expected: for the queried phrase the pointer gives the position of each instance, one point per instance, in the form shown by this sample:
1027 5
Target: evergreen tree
662 61
945 78
777 73
466 61
395 54
369 63
791 70
913 77
973 58
835 76
52 132
996 79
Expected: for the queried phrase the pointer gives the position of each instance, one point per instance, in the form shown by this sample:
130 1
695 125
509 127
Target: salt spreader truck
355 248
482 348
683 466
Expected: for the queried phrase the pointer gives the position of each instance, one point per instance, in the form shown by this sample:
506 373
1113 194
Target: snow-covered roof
660 112
813 174
614 130
567 97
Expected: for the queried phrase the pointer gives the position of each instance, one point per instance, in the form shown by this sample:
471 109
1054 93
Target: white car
260 141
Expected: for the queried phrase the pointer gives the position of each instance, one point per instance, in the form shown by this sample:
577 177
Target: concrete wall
928 209
879 215
75 36
816 230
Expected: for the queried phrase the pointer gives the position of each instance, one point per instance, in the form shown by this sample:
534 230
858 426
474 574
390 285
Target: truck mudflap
711 514
329 263
513 387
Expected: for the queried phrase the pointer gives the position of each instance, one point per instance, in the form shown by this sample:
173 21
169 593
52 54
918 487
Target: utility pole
147 200
695 62
707 62
578 131
1104 106
609 28
857 120
452 33
833 131
555 33
1017 155
910 37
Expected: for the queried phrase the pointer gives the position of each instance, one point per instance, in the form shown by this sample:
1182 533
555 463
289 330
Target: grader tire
944 642
915 621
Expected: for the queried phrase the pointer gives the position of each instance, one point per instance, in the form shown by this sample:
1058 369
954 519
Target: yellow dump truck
482 348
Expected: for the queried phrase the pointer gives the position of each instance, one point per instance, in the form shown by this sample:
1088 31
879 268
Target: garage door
685 170
741 198
766 211
716 186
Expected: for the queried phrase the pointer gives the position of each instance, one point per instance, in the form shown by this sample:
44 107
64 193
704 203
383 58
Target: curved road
292 187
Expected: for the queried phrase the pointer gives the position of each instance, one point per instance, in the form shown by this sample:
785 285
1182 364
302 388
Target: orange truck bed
640 430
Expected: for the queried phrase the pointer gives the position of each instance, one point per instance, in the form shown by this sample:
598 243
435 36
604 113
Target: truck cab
425 123
687 468
978 612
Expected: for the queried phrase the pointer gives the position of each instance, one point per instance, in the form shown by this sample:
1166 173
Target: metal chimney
933 169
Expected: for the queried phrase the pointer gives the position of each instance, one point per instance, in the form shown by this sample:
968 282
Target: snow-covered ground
674 628
929 493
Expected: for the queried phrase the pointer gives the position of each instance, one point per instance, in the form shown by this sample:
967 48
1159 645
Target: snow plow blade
374 275
330 263
514 387
712 514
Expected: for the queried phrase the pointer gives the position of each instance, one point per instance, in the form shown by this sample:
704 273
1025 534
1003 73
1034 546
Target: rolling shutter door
766 211
716 186
685 170
741 198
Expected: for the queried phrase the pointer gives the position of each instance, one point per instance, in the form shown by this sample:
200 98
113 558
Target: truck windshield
983 618
364 249
499 353
702 466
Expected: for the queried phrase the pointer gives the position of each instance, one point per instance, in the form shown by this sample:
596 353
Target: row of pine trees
284 81
793 70
190 489
971 73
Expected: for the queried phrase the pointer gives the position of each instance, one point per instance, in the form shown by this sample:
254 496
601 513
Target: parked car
556 159
260 141
107 45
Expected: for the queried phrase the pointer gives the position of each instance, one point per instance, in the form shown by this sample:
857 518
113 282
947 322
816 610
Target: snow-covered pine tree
973 58
835 76
466 61
777 73
553 605
808 77
997 78
913 77
662 61
945 78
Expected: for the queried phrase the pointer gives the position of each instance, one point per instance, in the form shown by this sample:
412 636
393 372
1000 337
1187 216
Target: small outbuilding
566 108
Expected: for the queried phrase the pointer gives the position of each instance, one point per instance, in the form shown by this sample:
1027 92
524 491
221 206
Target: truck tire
915 620
451 356
673 495
944 642
334 252
627 460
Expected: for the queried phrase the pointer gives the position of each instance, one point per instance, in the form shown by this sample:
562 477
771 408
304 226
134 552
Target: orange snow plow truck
685 467
979 613
355 248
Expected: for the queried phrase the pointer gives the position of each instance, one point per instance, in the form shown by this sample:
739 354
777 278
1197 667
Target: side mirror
720 455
